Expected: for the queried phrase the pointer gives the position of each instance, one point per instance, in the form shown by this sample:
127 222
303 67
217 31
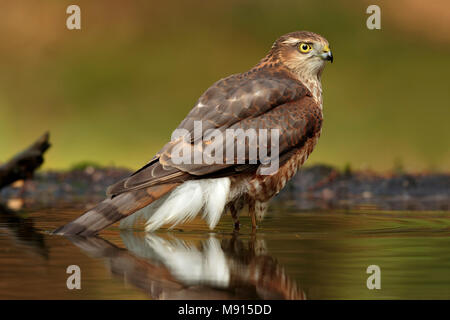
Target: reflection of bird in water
179 269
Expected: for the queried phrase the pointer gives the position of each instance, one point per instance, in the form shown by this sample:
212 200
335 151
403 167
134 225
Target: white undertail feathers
184 203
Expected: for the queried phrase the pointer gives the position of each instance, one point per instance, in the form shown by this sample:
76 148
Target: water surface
293 255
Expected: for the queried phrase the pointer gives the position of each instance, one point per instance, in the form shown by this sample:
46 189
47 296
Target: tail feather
114 209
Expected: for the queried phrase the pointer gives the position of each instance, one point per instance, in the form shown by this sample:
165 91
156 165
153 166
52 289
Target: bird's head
304 53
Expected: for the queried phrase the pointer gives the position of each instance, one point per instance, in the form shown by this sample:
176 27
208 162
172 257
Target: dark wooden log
23 165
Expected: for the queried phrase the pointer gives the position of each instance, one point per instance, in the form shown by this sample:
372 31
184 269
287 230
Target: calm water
320 255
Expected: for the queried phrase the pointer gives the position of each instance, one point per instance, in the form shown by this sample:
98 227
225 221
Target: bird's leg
235 215
252 213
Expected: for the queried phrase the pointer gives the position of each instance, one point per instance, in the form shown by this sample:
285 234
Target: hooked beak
326 54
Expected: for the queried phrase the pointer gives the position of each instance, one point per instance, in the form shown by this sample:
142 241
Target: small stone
15 204
328 194
367 194
89 170
18 184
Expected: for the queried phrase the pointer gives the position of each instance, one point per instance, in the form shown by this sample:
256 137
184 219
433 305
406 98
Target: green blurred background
113 92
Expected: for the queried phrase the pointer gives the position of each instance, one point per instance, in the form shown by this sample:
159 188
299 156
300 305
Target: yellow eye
304 47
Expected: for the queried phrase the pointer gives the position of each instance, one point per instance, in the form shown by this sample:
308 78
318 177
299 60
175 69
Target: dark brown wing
296 122
241 96
252 100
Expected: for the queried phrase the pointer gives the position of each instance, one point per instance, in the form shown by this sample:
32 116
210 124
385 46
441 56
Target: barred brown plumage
282 92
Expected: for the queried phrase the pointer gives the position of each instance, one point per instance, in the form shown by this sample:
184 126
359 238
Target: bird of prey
282 92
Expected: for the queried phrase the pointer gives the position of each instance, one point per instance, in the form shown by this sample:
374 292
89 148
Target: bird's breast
264 187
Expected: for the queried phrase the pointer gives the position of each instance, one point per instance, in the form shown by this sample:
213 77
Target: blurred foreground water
294 255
